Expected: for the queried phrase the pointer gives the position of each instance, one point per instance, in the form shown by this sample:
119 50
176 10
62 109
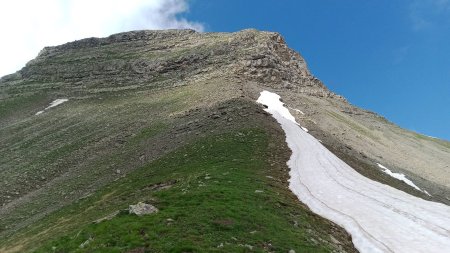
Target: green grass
149 132
11 105
212 202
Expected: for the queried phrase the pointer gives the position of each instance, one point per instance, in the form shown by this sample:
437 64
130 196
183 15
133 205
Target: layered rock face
143 59
274 64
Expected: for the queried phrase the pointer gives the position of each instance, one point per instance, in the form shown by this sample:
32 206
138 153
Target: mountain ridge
139 96
262 56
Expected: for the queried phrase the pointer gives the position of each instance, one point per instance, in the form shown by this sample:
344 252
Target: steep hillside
169 118
139 105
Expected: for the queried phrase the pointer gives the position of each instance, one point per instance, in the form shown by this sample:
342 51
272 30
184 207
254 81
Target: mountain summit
139 59
168 121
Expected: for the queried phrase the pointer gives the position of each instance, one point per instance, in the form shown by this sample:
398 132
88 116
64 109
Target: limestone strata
145 59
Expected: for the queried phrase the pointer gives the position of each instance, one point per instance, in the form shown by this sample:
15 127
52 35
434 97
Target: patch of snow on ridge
57 102
54 103
401 177
297 110
378 217
273 100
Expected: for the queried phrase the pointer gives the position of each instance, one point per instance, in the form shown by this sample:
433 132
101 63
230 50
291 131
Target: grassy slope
78 146
81 139
71 165
212 202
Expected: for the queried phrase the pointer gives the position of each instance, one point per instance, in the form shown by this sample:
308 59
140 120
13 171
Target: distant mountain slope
138 97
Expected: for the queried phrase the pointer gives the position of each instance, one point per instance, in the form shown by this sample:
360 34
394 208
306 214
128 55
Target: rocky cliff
144 59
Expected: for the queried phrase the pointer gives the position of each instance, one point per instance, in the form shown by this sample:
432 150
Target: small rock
117 171
142 209
291 251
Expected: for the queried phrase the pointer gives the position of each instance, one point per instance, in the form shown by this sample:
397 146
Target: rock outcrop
148 59
142 209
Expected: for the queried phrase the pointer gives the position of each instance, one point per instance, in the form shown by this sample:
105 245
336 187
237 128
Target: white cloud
27 25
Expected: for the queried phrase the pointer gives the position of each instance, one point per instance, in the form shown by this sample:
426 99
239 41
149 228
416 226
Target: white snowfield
54 103
378 217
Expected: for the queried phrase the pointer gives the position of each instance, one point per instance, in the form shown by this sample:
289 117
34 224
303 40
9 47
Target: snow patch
54 103
379 217
401 177
297 110
273 101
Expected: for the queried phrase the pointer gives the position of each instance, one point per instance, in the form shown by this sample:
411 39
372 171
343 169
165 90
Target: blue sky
388 56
